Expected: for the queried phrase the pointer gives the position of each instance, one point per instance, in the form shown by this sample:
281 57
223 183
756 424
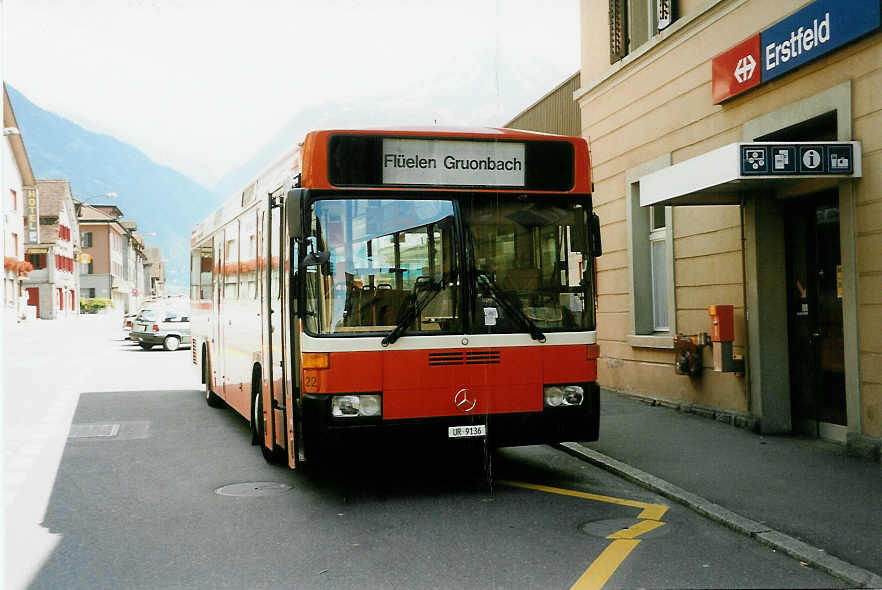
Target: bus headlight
563 395
553 396
573 395
352 406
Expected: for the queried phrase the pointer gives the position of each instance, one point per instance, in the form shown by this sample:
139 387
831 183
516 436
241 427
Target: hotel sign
816 30
32 217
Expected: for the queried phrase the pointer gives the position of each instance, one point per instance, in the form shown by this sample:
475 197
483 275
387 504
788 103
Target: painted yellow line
650 511
605 565
624 541
634 531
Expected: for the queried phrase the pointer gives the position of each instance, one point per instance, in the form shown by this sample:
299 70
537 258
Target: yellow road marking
635 530
605 565
624 541
650 511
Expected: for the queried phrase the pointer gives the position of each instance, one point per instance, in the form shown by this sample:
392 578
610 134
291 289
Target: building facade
105 241
117 267
52 286
19 210
667 89
154 268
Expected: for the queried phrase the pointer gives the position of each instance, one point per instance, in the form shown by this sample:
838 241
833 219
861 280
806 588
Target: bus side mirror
293 205
596 244
316 259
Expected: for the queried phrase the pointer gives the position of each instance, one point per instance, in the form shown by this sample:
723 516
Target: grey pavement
46 366
803 496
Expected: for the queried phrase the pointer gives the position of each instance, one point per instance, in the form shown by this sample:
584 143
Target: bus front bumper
572 423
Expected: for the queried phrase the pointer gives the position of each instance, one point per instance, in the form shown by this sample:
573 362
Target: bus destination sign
441 162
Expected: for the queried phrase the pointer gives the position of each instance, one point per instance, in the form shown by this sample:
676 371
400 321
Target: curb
793 547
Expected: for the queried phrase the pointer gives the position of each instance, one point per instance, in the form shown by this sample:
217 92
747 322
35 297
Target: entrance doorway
814 313
34 298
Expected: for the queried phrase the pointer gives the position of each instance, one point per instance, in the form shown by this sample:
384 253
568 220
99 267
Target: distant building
19 210
556 112
155 271
53 285
108 241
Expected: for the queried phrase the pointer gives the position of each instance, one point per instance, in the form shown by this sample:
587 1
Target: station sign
797 159
814 31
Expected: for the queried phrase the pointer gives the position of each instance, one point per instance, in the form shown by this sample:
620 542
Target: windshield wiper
513 310
424 290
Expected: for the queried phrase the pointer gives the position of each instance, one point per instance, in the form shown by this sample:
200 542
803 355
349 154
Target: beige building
106 240
19 210
154 270
52 286
798 257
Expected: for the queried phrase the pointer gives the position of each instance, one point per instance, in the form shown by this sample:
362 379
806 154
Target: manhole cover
255 488
93 430
604 528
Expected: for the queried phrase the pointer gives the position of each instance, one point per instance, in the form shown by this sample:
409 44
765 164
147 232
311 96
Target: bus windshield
395 261
382 251
531 252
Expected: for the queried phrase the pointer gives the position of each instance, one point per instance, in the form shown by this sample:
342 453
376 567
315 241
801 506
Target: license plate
467 431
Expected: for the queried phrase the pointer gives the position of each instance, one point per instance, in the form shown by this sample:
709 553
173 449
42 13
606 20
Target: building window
13 247
89 268
87 239
37 260
651 258
634 22
658 262
14 199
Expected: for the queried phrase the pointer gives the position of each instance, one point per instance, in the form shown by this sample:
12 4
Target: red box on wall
722 322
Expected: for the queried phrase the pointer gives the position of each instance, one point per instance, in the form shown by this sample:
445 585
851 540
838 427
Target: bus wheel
275 456
211 398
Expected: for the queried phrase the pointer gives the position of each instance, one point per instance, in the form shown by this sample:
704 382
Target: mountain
156 197
485 94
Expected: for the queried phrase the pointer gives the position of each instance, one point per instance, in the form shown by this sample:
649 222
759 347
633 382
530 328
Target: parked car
169 328
128 321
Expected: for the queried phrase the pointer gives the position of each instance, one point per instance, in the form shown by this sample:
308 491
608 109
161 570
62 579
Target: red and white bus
414 283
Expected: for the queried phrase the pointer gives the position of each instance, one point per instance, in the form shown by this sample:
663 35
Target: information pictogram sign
801 159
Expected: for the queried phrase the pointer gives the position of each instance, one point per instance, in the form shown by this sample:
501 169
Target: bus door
216 349
275 235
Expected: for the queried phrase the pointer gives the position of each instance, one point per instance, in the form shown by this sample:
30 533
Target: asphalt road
139 508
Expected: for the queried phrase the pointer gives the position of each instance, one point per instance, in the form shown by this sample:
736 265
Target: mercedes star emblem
464 400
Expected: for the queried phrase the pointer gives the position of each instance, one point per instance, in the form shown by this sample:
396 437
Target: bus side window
206 272
231 261
275 237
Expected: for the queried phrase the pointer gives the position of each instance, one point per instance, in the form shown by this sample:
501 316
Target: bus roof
319 162
311 159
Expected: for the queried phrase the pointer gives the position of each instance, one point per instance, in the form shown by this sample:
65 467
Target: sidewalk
806 489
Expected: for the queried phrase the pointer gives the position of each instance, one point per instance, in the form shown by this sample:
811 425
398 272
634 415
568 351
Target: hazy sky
202 85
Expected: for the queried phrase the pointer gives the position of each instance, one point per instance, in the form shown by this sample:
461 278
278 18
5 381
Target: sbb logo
736 70
745 68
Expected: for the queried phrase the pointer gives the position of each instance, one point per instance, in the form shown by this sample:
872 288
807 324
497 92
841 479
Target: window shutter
618 38
665 13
